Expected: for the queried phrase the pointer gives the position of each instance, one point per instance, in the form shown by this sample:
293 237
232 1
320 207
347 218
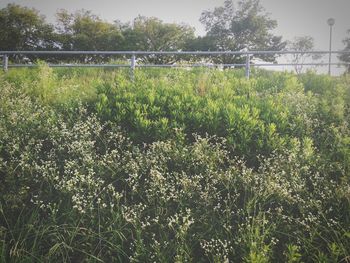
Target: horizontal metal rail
172 65
133 62
251 52
300 64
71 65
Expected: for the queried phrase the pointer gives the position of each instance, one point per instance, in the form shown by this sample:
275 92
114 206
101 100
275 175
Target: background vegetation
229 27
178 166
237 27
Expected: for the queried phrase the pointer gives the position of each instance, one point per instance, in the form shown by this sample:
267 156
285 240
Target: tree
303 44
86 31
244 27
346 56
23 28
152 34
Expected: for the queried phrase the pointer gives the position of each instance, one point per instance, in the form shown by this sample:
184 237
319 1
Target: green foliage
153 34
302 44
228 28
254 120
246 26
177 166
85 31
292 254
23 28
346 56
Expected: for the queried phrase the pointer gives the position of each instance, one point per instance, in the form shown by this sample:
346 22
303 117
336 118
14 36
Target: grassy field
178 166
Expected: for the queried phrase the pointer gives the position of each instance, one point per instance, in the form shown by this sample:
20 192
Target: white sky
294 17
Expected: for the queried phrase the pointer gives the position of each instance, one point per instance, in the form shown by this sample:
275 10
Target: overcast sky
294 17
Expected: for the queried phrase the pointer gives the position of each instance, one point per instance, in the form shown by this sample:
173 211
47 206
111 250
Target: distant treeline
227 27
240 26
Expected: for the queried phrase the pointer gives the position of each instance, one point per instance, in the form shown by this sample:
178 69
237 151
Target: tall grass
178 166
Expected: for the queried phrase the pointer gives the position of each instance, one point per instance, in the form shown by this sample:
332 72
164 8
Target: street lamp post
330 22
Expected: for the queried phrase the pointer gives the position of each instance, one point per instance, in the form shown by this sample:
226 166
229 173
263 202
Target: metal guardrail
133 62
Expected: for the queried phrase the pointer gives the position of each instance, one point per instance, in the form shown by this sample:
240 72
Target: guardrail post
247 66
132 67
5 63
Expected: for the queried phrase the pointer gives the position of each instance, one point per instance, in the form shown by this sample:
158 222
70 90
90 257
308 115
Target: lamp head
331 21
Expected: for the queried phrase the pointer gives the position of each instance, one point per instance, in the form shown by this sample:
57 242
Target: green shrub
177 166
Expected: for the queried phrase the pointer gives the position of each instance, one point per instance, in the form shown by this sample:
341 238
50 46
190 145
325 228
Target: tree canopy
246 26
23 28
303 44
86 31
152 34
346 57
83 30
228 27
